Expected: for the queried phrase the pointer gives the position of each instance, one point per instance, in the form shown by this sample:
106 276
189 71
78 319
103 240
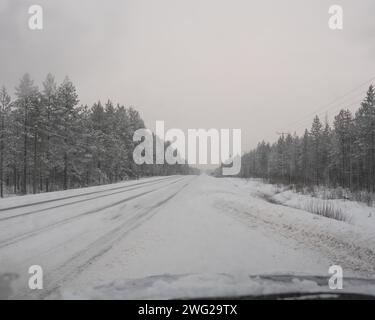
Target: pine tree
4 118
342 148
67 113
27 100
365 142
326 141
98 125
49 102
316 134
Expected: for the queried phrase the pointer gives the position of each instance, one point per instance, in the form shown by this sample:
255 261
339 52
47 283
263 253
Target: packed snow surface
161 237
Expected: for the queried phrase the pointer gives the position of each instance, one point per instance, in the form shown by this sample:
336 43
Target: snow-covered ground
357 213
160 237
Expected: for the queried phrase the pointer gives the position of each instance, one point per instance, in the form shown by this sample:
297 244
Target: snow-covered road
88 238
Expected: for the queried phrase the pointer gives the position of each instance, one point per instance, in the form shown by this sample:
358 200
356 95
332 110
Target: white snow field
109 241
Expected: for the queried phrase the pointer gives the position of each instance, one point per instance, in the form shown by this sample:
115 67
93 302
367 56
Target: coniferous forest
337 155
49 142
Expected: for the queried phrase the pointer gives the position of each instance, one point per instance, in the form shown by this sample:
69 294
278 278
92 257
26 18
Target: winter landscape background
74 202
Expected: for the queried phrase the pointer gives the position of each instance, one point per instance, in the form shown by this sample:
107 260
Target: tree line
339 155
49 142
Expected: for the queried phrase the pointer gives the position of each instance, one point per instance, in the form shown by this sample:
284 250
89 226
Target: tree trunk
65 171
24 182
35 162
2 158
48 153
15 178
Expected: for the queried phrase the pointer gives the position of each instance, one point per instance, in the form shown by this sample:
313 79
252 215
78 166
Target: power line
338 99
347 105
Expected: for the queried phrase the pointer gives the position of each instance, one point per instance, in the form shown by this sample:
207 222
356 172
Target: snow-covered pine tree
27 101
5 101
68 121
316 150
365 140
49 150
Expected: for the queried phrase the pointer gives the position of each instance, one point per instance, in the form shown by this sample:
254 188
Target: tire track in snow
36 232
128 188
77 195
87 256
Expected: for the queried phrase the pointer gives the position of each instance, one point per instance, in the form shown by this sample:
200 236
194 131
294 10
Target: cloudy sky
262 66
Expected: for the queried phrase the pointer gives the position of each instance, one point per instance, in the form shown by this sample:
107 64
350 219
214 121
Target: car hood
219 286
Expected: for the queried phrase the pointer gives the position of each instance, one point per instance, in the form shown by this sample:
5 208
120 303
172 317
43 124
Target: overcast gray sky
255 65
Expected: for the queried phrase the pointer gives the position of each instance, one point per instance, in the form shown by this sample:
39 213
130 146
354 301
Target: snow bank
357 213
